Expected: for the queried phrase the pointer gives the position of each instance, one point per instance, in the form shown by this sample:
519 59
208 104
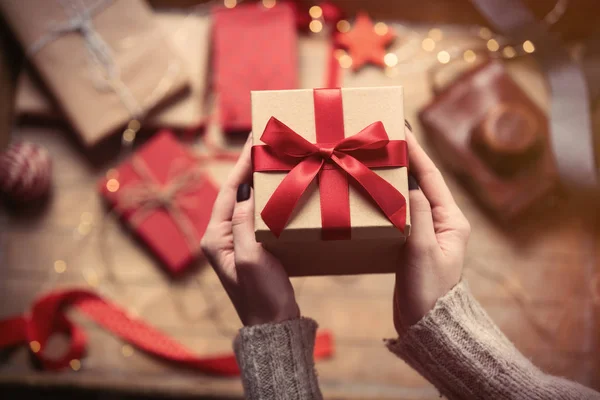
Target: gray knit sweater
455 346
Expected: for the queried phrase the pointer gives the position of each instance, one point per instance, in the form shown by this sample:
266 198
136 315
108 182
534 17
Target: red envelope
255 48
167 199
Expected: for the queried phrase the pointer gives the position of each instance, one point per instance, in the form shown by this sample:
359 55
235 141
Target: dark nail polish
243 192
408 125
412 183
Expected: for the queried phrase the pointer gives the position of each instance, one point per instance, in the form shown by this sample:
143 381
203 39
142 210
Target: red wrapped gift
255 48
166 197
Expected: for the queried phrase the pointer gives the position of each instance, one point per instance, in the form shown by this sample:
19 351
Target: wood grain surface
533 277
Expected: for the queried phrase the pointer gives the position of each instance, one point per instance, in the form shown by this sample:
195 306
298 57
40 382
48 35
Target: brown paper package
375 243
149 69
190 38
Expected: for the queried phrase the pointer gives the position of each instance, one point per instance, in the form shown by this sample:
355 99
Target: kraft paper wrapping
300 246
187 33
149 70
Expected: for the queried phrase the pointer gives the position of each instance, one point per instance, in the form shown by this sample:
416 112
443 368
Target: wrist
286 312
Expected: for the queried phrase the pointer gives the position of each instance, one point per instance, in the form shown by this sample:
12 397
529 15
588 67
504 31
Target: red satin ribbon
48 316
334 159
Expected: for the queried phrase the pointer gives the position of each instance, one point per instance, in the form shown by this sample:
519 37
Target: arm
460 350
277 360
275 348
443 331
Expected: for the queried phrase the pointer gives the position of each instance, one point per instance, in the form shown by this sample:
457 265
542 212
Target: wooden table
533 278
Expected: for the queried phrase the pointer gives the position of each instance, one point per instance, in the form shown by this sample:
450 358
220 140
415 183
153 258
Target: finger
241 173
428 175
245 246
422 229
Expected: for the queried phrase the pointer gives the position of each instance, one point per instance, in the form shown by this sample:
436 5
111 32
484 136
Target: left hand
254 279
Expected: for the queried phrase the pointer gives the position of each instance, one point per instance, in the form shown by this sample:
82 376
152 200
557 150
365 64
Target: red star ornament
364 44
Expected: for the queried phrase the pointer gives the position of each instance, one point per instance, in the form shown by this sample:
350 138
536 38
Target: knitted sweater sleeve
276 360
458 348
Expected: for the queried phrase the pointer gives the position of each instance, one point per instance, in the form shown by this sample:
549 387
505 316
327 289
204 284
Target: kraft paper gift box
189 35
106 62
335 224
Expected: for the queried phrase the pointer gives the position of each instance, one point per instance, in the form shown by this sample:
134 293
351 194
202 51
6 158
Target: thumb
244 243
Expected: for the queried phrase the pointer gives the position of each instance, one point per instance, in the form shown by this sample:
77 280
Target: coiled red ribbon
334 159
48 317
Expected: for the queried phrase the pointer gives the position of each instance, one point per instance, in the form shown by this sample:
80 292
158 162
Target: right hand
433 256
254 279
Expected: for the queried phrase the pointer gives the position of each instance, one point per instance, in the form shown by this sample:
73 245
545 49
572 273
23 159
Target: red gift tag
255 48
165 196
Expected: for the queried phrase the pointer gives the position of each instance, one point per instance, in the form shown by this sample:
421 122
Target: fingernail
243 192
412 183
408 125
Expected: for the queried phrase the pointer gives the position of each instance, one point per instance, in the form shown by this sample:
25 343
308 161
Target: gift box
330 178
166 197
187 110
489 132
106 62
255 48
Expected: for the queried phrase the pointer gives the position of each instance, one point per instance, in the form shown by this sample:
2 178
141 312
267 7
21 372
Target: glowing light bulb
428 44
493 45
345 61
390 59
315 12
315 26
75 365
469 56
443 57
112 185
381 28
436 34
509 52
60 266
343 26
528 46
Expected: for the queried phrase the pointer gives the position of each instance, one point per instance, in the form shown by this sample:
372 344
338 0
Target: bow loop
374 136
285 142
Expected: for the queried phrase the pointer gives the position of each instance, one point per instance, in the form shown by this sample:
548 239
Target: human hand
254 279
433 256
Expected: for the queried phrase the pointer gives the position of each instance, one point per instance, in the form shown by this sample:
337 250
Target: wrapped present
106 62
186 32
495 138
255 48
330 178
32 100
166 197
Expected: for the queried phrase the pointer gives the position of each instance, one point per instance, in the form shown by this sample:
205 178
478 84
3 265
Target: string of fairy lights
398 57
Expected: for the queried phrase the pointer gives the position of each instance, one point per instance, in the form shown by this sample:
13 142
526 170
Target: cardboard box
189 35
98 90
375 242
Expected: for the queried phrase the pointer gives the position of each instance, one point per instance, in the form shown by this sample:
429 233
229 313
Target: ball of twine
25 172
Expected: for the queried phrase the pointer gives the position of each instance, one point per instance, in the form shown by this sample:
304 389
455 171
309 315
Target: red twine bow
48 317
334 159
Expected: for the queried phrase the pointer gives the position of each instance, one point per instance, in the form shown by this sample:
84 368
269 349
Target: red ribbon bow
334 159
